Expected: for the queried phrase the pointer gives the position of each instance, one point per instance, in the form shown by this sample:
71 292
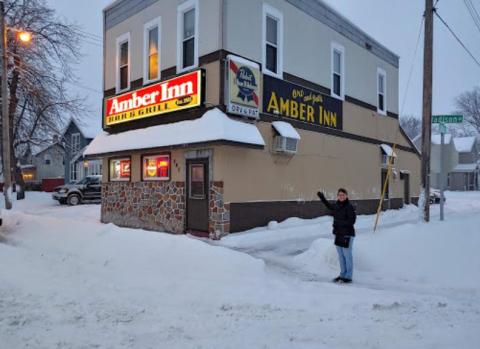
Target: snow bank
441 254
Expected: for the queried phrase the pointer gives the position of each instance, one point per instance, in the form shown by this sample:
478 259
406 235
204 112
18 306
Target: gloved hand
320 195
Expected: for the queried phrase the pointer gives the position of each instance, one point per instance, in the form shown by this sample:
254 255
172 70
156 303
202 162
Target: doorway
406 188
197 196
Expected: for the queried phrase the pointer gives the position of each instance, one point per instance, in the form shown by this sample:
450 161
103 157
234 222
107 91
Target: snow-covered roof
285 129
89 127
214 125
465 168
464 144
39 149
436 138
388 150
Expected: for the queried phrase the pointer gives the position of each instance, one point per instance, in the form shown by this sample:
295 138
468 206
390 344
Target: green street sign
447 119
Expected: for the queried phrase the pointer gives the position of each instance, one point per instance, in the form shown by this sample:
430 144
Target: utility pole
427 106
6 167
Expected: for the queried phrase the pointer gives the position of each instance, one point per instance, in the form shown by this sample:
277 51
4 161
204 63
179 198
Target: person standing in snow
344 218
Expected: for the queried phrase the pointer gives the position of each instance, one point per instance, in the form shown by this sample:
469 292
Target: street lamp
25 37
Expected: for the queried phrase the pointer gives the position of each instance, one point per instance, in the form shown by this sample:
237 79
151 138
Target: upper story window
187 35
48 159
382 91
338 71
123 63
272 41
75 142
152 40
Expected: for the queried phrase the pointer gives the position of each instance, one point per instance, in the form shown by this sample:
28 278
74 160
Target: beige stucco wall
368 123
208 28
322 162
307 49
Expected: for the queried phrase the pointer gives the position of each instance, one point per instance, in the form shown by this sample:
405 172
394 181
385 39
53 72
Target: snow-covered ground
68 281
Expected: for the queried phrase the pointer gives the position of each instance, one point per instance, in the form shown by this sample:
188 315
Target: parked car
435 196
89 189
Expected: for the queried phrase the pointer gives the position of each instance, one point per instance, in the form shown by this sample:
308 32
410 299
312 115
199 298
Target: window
387 190
187 35
382 91
94 168
73 172
48 159
123 63
272 41
338 71
197 181
120 169
75 142
156 167
152 37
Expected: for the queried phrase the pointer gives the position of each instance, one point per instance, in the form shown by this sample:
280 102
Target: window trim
339 48
73 136
382 72
181 9
110 169
269 11
157 179
121 40
47 157
73 165
156 22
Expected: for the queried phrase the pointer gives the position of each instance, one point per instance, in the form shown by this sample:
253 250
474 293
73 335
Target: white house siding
56 167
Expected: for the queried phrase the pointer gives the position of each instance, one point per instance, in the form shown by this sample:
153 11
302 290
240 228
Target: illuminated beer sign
182 92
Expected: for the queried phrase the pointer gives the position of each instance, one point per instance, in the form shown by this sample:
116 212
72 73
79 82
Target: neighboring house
465 175
43 162
75 138
461 156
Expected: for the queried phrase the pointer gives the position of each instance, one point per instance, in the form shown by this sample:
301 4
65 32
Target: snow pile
214 125
434 254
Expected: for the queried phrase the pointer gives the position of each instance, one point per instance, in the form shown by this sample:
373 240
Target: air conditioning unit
285 145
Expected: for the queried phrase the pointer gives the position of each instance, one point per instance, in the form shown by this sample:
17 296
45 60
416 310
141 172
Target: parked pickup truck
89 189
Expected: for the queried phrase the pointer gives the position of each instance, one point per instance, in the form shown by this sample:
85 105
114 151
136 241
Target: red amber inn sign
181 92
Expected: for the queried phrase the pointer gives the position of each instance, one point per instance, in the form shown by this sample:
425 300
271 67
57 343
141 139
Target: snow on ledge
388 150
285 129
214 125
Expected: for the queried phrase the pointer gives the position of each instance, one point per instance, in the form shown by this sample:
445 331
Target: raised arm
324 200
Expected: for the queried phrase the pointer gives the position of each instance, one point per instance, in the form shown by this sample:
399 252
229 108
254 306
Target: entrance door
406 188
197 195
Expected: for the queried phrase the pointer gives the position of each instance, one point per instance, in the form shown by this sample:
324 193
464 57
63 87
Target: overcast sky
394 23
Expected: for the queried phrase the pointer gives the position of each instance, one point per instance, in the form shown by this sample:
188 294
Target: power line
473 13
458 39
412 66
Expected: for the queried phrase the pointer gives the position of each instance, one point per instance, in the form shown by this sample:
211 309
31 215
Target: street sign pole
442 170
442 120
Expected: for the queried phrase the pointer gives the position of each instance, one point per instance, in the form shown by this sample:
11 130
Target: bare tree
411 125
38 75
468 104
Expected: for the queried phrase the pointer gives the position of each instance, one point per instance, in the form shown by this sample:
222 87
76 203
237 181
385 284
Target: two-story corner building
75 139
465 175
221 115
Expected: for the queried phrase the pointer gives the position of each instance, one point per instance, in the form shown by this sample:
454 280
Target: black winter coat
344 216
